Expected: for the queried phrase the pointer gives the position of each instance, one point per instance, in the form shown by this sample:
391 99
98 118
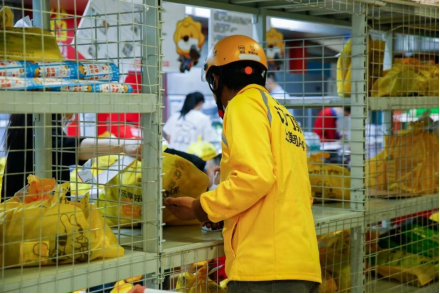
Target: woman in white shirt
185 127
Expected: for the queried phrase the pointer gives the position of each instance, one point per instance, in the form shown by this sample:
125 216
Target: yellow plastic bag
406 267
334 255
199 282
53 230
31 44
329 181
408 165
434 217
400 80
376 50
2 170
120 198
204 150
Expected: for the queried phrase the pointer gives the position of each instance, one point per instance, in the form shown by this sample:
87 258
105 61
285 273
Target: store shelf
383 209
68 278
315 102
330 219
60 102
401 103
390 286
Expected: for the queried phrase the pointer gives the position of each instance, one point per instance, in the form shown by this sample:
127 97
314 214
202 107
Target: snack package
112 88
64 69
14 69
10 83
55 230
98 71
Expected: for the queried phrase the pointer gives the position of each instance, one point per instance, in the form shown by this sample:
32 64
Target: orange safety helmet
234 48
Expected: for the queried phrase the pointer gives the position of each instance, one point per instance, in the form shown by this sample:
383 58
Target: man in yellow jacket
264 194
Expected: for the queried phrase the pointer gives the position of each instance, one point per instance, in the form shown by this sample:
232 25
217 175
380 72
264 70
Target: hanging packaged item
30 44
329 181
99 71
55 230
408 165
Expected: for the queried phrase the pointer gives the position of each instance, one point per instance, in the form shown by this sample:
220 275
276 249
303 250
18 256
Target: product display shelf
59 102
390 286
315 102
399 103
68 278
382 209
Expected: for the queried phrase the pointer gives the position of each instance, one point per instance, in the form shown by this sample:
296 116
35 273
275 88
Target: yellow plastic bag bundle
199 282
2 170
329 181
328 283
45 228
204 150
120 198
334 255
31 44
406 267
376 49
408 165
400 80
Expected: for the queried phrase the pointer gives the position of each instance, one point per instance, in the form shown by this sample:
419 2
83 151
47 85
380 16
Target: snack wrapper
98 71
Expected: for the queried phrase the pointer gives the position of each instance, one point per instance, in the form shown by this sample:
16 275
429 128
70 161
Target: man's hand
137 289
181 207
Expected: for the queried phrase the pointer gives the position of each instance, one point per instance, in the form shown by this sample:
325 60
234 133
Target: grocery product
407 166
12 83
12 68
329 181
55 230
98 71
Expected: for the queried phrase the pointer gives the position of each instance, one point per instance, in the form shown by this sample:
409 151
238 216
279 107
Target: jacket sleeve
247 136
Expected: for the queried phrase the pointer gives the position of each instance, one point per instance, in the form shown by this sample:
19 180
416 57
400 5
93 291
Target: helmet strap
218 95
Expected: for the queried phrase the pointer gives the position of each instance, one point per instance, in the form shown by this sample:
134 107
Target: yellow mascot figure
189 41
275 49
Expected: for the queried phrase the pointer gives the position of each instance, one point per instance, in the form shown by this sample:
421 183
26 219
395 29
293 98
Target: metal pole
42 122
359 92
151 129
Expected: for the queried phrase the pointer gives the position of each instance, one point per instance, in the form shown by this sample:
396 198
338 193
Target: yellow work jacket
264 196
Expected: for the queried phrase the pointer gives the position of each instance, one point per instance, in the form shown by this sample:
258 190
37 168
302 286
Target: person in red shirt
325 125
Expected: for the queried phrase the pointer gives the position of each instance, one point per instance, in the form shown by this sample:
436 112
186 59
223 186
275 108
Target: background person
326 123
185 127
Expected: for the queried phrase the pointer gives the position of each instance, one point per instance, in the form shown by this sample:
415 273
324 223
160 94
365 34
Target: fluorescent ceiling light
197 11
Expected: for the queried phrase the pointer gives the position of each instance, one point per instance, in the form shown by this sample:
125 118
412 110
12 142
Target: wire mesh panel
309 77
403 90
402 254
81 178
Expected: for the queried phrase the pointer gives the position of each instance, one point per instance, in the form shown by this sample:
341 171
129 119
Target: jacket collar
253 86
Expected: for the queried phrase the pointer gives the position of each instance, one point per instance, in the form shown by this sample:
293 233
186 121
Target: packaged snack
53 69
10 83
54 84
10 68
112 88
98 71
